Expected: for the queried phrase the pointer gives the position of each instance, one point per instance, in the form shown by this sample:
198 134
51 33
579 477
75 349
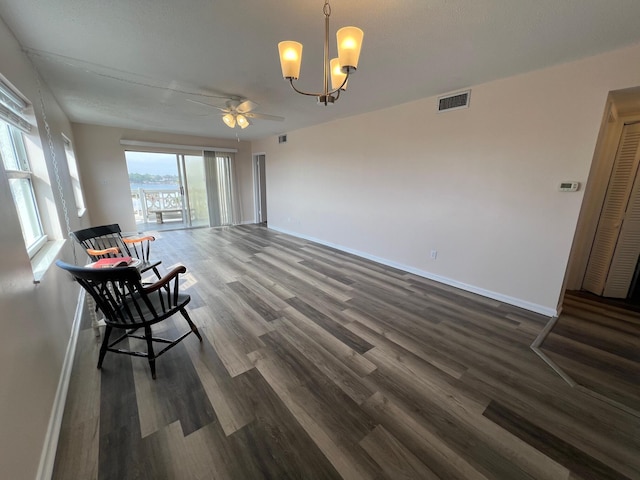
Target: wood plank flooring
598 345
319 364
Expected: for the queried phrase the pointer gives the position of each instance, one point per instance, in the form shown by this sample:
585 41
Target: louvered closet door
627 249
613 256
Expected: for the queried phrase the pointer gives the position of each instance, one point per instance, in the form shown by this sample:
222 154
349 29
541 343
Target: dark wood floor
597 343
318 364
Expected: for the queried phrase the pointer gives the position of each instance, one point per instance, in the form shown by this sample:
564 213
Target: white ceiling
134 63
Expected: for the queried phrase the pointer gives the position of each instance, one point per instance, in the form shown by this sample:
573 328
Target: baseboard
517 302
48 456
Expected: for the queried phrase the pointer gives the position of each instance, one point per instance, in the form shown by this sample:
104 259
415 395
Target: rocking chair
129 306
106 241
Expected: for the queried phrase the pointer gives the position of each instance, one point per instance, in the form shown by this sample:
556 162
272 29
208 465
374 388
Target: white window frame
74 173
23 171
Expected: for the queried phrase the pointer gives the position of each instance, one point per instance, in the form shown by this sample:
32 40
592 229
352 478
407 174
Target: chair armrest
106 251
149 238
141 246
165 280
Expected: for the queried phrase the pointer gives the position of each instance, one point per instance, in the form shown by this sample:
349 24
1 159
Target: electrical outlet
434 254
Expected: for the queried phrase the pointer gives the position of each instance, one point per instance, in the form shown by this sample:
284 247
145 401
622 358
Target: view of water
153 186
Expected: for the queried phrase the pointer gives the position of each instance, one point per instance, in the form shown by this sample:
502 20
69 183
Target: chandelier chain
326 9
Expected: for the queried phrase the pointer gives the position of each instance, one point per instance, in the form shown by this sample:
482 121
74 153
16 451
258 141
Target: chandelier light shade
338 77
290 59
349 42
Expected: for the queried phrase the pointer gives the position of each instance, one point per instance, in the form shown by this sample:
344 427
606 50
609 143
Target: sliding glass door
195 190
156 190
168 190
174 190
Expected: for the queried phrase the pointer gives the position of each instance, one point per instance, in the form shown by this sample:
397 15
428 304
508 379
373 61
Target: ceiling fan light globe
229 120
242 121
349 46
290 58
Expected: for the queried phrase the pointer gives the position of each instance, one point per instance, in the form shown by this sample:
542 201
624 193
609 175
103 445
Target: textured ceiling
134 63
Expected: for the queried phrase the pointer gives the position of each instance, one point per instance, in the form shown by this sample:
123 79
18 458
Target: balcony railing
157 205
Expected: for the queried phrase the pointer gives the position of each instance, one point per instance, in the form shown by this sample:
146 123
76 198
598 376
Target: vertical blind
221 188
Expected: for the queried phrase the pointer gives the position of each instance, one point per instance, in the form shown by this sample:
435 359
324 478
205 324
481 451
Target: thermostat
569 186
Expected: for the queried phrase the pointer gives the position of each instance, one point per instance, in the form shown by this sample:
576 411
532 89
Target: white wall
478 185
105 175
35 320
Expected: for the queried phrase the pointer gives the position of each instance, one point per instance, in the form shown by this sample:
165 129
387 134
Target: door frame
259 187
615 115
184 190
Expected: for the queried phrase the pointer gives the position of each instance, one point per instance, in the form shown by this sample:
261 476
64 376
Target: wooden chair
129 306
107 241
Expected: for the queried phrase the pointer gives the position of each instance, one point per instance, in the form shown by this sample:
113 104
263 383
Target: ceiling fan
239 112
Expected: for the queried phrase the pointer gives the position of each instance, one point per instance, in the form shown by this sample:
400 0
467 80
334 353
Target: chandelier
338 69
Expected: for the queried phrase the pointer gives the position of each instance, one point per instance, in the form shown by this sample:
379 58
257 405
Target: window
27 175
16 164
75 175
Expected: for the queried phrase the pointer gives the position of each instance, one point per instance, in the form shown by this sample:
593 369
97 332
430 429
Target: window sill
42 260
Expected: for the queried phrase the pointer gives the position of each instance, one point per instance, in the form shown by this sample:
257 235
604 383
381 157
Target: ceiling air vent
454 102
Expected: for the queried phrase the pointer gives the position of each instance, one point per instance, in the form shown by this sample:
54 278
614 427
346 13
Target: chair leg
194 329
157 272
103 347
150 353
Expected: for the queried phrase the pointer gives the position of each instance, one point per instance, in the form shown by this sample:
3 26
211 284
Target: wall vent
454 101
282 139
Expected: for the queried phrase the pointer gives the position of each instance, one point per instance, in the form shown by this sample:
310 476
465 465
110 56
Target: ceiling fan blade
262 116
246 106
206 104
